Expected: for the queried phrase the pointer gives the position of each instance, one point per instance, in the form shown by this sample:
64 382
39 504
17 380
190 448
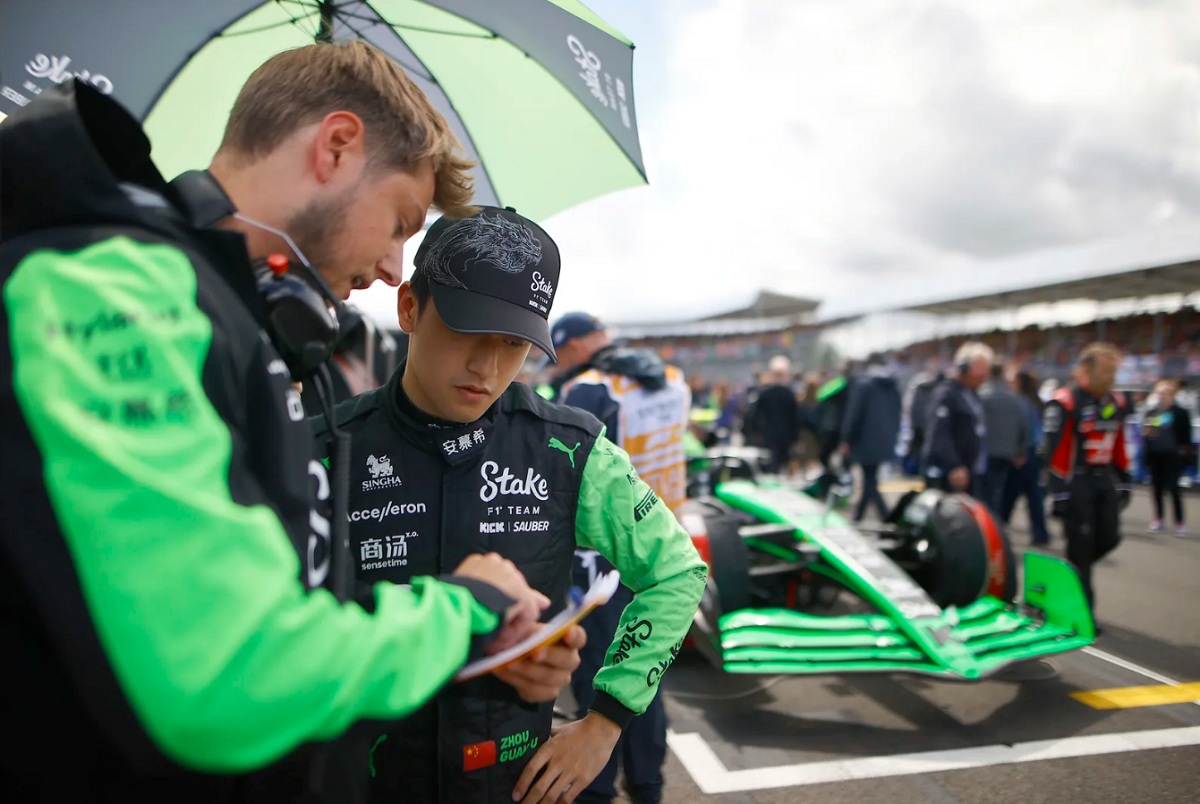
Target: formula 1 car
794 588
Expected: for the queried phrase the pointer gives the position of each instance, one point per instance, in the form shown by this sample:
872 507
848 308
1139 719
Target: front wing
909 633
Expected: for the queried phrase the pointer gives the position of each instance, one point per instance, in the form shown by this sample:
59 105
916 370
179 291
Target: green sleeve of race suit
225 659
621 517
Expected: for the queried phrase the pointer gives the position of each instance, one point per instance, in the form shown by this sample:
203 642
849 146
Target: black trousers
996 479
1165 469
1027 482
1091 524
870 493
780 455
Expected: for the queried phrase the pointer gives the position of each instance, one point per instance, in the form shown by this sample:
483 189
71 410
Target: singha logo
381 474
380 467
496 242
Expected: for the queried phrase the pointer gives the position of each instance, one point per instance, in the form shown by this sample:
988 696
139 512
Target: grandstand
1156 345
1036 310
1140 291
1150 311
730 345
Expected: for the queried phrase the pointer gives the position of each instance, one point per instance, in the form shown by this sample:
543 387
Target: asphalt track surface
1021 739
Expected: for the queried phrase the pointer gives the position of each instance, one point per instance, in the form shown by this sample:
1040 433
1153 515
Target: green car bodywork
909 632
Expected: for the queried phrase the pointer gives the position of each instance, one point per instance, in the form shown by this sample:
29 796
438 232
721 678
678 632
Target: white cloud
820 148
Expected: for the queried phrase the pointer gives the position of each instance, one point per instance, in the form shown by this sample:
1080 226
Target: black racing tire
966 543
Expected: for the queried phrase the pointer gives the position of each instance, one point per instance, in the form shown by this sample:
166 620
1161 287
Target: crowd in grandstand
1153 347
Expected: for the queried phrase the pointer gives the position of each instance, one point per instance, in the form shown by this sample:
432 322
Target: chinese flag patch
479 755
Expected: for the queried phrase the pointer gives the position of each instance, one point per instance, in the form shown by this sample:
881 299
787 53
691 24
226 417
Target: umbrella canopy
540 92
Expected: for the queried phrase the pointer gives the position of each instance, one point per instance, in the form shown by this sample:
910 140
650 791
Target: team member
870 430
644 406
1167 432
456 458
163 625
774 416
955 457
1085 442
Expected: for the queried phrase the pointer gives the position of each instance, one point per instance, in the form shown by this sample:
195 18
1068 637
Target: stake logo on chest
502 482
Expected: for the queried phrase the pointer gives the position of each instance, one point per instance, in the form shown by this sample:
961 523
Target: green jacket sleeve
226 660
622 518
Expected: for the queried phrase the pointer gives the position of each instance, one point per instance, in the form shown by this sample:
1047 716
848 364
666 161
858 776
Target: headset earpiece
302 327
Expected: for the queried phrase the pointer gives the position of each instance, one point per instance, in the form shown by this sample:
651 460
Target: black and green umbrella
540 92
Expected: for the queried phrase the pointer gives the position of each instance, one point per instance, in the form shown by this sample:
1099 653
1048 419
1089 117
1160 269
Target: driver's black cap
492 272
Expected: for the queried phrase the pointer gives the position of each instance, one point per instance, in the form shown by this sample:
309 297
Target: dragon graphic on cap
496 242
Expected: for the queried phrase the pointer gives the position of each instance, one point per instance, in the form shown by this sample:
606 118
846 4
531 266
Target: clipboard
600 593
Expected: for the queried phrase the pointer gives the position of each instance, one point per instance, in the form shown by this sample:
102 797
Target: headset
303 328
302 312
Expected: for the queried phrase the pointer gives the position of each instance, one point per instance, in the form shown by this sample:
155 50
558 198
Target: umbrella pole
325 32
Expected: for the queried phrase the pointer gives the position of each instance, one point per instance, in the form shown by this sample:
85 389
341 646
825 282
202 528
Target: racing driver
453 458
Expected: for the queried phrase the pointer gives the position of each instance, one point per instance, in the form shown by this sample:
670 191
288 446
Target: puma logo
561 447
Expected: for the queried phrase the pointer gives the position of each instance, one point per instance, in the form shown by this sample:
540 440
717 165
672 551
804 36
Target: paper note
550 632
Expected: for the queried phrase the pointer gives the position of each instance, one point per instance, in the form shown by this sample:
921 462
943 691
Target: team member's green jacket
530 480
160 636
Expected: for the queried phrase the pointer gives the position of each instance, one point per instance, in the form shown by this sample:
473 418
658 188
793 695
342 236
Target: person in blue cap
644 405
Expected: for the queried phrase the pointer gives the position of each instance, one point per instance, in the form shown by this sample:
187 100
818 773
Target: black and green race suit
530 480
159 639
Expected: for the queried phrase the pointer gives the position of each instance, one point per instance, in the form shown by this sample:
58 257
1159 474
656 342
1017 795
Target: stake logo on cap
492 272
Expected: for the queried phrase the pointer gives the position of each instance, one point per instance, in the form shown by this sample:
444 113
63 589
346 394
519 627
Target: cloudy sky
832 149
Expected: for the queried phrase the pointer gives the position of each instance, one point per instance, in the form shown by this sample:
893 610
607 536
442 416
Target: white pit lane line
711 776
1125 664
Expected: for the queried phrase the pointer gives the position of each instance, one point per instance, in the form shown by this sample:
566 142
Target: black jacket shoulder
350 411
520 398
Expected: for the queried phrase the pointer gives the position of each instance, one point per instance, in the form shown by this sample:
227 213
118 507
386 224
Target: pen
575 597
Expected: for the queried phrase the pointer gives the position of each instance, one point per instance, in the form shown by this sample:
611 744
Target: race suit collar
1084 396
457 443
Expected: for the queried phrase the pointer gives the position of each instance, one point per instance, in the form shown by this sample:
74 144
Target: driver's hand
541 675
568 762
504 575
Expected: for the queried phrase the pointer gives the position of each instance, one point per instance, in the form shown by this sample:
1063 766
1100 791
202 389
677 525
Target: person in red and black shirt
1087 460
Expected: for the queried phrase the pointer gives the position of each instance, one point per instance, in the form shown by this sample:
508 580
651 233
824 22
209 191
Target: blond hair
299 87
1094 351
971 351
